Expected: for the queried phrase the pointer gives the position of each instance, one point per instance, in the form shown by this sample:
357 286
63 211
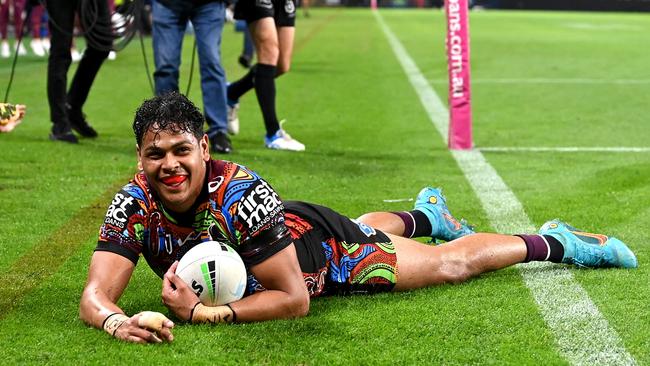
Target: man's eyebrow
154 148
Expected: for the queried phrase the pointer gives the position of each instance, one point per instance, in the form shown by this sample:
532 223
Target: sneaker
432 203
589 250
5 51
20 48
281 140
220 143
68 137
45 42
233 118
79 123
230 15
76 56
112 56
37 47
244 61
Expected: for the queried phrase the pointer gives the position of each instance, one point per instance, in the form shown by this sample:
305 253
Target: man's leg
248 50
167 30
420 265
265 37
61 12
430 217
208 21
285 38
96 52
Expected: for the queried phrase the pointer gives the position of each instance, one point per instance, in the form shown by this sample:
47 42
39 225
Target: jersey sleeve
260 221
123 227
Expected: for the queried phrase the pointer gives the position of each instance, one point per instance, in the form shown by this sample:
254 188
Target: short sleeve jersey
236 206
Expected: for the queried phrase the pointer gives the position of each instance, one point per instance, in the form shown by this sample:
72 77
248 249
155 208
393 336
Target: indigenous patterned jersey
236 207
336 254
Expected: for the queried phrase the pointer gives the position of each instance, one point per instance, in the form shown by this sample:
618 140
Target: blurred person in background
16 8
36 43
272 26
248 48
170 20
66 104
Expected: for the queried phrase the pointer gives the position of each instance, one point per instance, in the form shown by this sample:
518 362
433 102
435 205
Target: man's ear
204 144
137 150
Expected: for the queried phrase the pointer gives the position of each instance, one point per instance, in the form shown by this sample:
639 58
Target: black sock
241 86
265 91
557 249
416 224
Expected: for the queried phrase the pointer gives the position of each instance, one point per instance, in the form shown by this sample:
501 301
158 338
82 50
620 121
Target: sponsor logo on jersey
215 184
259 206
289 7
267 4
116 214
369 231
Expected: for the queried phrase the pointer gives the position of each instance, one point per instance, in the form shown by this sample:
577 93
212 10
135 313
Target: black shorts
283 11
338 255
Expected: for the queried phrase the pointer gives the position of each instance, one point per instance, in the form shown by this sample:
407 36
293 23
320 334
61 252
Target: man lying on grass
297 251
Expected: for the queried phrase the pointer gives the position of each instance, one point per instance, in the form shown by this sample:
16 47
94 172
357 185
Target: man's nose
170 162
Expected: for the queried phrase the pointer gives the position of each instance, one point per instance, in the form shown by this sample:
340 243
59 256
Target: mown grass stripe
301 42
584 337
44 259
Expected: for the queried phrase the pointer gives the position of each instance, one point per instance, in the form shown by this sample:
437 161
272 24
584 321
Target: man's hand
177 296
10 116
146 327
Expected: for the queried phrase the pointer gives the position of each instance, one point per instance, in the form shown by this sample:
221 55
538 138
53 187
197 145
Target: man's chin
175 202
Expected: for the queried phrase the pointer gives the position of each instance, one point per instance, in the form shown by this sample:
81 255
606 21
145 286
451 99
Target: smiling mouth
174 180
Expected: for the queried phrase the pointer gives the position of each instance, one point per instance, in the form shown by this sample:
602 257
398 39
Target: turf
368 139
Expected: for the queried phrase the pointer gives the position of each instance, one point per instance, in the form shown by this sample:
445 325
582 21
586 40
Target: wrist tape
213 315
114 321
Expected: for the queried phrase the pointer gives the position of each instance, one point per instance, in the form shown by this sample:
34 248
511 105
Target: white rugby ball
215 272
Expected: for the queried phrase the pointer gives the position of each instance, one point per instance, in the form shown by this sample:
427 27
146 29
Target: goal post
458 66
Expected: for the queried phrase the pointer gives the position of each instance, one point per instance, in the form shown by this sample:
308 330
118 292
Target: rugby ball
215 272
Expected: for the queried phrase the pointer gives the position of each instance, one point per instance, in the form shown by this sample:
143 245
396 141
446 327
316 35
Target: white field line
583 335
565 149
550 81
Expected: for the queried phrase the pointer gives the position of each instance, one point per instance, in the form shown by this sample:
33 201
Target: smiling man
293 251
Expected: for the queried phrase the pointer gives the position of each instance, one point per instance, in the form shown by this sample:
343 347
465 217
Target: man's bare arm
108 276
286 294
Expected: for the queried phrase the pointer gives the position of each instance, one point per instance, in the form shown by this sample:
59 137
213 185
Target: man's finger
173 267
167 282
154 321
166 334
135 339
175 281
153 338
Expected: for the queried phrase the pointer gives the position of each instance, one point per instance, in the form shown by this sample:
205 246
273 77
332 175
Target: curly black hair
171 112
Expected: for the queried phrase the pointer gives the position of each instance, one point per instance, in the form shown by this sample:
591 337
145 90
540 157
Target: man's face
175 166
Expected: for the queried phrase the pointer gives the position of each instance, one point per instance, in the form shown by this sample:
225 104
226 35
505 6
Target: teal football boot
432 203
589 250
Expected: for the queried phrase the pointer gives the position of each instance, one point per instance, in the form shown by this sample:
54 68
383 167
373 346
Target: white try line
578 81
565 149
583 335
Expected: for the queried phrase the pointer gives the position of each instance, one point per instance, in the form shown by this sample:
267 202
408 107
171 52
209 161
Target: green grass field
541 79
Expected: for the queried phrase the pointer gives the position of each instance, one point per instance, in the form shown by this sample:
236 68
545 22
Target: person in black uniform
66 106
272 26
